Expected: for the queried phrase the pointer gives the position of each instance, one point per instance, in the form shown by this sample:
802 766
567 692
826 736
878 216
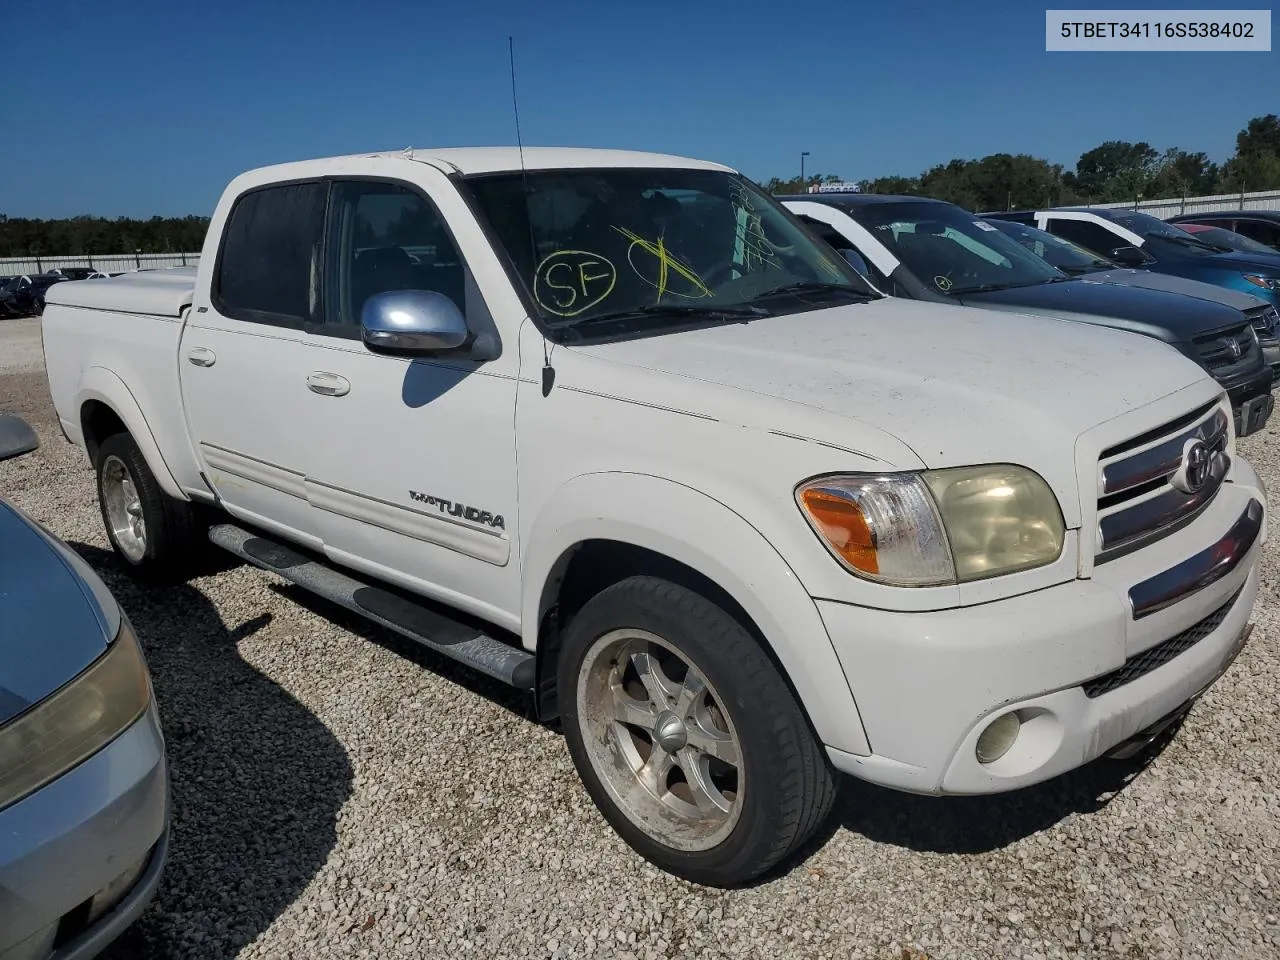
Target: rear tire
154 535
686 736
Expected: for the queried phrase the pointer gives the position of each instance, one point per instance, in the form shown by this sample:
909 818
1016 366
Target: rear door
244 360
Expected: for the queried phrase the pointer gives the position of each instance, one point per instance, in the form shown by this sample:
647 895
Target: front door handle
201 356
328 384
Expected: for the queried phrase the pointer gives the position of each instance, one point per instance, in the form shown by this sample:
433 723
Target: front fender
101 384
686 525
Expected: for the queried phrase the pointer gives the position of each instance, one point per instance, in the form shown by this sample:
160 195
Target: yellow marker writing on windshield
667 262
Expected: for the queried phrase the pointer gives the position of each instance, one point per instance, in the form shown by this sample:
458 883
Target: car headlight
937 527
1267 283
69 726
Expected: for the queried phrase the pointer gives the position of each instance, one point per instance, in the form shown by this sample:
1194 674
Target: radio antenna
548 372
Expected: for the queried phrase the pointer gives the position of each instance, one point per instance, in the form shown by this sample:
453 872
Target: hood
1248 262
1170 284
953 385
54 619
1157 313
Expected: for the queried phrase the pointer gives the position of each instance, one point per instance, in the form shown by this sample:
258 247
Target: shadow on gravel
983 824
257 780
518 702
970 824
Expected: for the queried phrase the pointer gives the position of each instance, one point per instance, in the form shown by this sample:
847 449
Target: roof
469 160
856 199
1227 215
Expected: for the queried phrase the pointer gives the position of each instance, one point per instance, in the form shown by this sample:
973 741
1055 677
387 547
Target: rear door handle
201 356
328 384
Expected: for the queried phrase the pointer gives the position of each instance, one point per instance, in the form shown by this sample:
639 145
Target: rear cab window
268 264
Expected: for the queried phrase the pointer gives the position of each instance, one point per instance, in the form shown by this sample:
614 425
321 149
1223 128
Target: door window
1261 231
385 236
267 268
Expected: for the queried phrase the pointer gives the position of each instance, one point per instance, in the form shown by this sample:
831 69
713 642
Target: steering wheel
712 275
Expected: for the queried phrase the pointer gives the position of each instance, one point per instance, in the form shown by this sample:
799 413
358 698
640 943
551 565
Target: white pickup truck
616 428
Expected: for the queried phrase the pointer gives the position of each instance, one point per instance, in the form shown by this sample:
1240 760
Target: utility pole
804 187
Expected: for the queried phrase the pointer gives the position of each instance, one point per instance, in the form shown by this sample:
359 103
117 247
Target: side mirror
16 437
856 261
1129 256
411 322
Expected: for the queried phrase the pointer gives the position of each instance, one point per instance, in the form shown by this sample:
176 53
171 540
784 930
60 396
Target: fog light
998 738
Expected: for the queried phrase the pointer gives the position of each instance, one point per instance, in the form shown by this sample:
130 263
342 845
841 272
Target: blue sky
138 107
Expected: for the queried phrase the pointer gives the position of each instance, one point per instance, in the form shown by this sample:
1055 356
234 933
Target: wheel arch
105 405
601 528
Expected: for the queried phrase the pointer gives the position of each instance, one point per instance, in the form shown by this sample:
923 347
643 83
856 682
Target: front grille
1227 351
1143 489
1143 663
1264 321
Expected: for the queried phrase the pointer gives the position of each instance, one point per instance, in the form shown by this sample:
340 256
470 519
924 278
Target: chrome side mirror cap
16 437
412 323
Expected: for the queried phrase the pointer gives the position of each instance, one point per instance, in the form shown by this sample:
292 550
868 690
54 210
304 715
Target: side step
442 634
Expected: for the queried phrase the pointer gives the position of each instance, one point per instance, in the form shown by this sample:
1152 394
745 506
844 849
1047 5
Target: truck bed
115 342
160 293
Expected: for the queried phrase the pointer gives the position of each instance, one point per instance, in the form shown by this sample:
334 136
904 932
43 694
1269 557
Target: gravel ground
339 793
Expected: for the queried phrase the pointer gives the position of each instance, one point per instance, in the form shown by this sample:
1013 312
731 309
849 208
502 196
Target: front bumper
1271 354
1083 675
91 844
1252 402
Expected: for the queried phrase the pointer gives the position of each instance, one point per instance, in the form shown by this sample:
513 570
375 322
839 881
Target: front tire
154 534
686 736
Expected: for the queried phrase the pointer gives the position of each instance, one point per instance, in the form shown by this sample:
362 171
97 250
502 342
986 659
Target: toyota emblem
1191 475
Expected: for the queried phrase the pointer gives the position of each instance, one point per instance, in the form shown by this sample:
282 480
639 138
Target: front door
411 469
243 359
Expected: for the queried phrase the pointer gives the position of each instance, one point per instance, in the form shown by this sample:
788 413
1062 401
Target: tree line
85 236
1114 171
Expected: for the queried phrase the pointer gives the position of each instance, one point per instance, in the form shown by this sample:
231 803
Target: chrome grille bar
1143 494
1162 459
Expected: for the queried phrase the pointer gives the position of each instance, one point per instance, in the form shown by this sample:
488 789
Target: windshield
951 250
1226 239
1145 225
610 242
1063 254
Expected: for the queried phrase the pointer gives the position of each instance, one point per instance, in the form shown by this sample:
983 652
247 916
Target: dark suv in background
1262 226
1135 239
926 249
1075 260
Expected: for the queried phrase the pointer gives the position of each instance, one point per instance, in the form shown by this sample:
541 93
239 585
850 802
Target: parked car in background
1262 226
24 295
1136 239
1078 262
1225 239
74 273
84 783
926 249
766 523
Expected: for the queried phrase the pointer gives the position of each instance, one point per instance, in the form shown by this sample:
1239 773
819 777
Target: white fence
108 263
1263 200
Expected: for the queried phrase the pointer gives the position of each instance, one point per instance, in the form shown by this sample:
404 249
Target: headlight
1267 283
76 722
936 527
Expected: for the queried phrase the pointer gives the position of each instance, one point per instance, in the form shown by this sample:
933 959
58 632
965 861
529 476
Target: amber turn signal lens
844 526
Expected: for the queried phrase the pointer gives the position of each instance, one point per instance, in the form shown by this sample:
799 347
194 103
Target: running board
444 635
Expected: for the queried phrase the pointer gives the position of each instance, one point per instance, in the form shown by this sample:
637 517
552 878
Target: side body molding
686 525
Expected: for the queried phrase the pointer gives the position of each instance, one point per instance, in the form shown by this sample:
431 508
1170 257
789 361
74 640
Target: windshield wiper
729 312
811 286
989 287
